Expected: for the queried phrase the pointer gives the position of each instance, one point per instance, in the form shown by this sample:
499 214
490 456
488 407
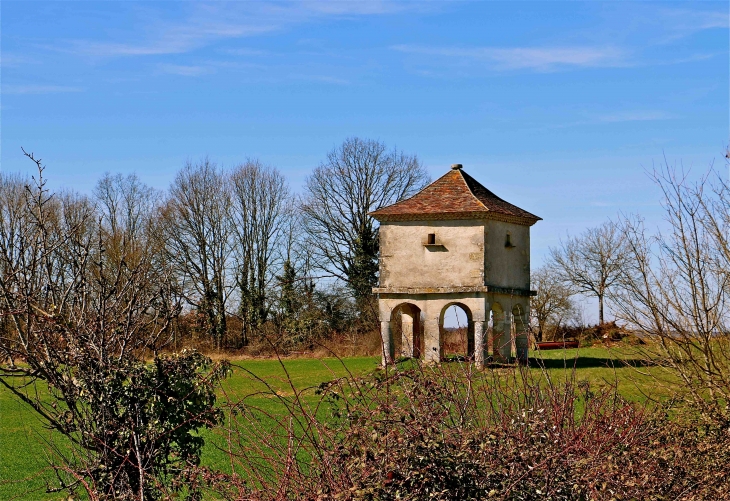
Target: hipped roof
455 195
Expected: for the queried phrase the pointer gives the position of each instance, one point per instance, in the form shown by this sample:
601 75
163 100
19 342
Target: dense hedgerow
448 433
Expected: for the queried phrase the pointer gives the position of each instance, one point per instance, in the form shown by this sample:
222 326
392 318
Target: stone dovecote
455 242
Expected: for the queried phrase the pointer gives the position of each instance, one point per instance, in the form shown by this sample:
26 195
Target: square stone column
521 318
387 342
521 346
479 343
432 341
407 335
502 340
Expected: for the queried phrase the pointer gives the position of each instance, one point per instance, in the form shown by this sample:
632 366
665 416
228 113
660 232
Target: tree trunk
600 309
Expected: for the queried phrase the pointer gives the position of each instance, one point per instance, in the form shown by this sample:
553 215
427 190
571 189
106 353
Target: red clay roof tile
455 195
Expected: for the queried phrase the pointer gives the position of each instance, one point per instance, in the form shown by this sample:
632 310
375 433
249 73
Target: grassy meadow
24 469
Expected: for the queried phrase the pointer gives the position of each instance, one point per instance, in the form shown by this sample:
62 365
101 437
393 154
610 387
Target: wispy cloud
322 79
177 40
635 116
680 23
13 60
533 58
184 70
243 51
208 23
39 89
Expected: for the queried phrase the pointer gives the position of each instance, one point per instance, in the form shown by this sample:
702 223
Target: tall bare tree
359 176
197 234
126 204
76 326
552 305
592 263
677 290
261 204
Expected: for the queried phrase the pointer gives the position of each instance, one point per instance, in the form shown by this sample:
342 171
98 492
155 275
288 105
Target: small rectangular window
431 239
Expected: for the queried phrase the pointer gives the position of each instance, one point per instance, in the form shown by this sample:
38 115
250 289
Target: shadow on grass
581 362
590 362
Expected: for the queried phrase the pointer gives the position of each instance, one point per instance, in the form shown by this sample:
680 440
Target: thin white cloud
534 58
208 23
184 70
350 7
680 23
38 89
176 41
14 60
321 78
242 51
635 116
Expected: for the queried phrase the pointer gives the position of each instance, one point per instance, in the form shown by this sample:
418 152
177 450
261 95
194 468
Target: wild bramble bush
451 433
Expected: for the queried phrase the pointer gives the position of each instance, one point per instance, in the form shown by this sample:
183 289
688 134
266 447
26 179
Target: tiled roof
455 195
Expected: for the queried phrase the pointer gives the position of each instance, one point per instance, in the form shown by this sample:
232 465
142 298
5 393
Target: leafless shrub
444 432
675 291
82 301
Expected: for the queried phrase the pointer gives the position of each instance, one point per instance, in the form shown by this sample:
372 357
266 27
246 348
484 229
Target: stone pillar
479 344
521 342
407 335
470 339
432 341
521 334
387 340
502 340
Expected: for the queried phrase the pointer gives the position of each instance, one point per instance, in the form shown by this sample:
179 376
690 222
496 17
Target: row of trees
92 286
236 246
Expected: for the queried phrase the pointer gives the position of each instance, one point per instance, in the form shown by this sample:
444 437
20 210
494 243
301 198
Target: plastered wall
456 260
468 253
507 266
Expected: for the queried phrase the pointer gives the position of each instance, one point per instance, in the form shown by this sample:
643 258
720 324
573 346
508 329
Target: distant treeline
236 250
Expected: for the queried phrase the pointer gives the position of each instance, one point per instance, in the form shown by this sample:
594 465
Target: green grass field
24 470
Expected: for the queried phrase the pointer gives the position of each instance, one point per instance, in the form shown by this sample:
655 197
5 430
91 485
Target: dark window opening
508 242
431 239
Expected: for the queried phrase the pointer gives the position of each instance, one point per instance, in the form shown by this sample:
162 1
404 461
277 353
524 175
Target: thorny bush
451 433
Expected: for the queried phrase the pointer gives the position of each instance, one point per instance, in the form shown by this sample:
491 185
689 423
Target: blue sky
558 107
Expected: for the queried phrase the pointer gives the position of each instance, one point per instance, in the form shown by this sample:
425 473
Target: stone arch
469 328
408 336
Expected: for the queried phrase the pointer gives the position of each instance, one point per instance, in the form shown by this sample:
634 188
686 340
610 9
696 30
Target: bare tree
261 204
552 305
592 262
126 205
77 323
359 176
197 231
677 288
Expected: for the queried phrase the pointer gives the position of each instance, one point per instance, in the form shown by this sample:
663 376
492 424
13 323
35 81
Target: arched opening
407 329
457 331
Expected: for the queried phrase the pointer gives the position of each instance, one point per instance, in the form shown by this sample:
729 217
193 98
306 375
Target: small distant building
455 243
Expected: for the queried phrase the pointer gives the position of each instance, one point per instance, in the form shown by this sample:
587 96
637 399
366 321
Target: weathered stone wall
468 253
456 260
507 266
